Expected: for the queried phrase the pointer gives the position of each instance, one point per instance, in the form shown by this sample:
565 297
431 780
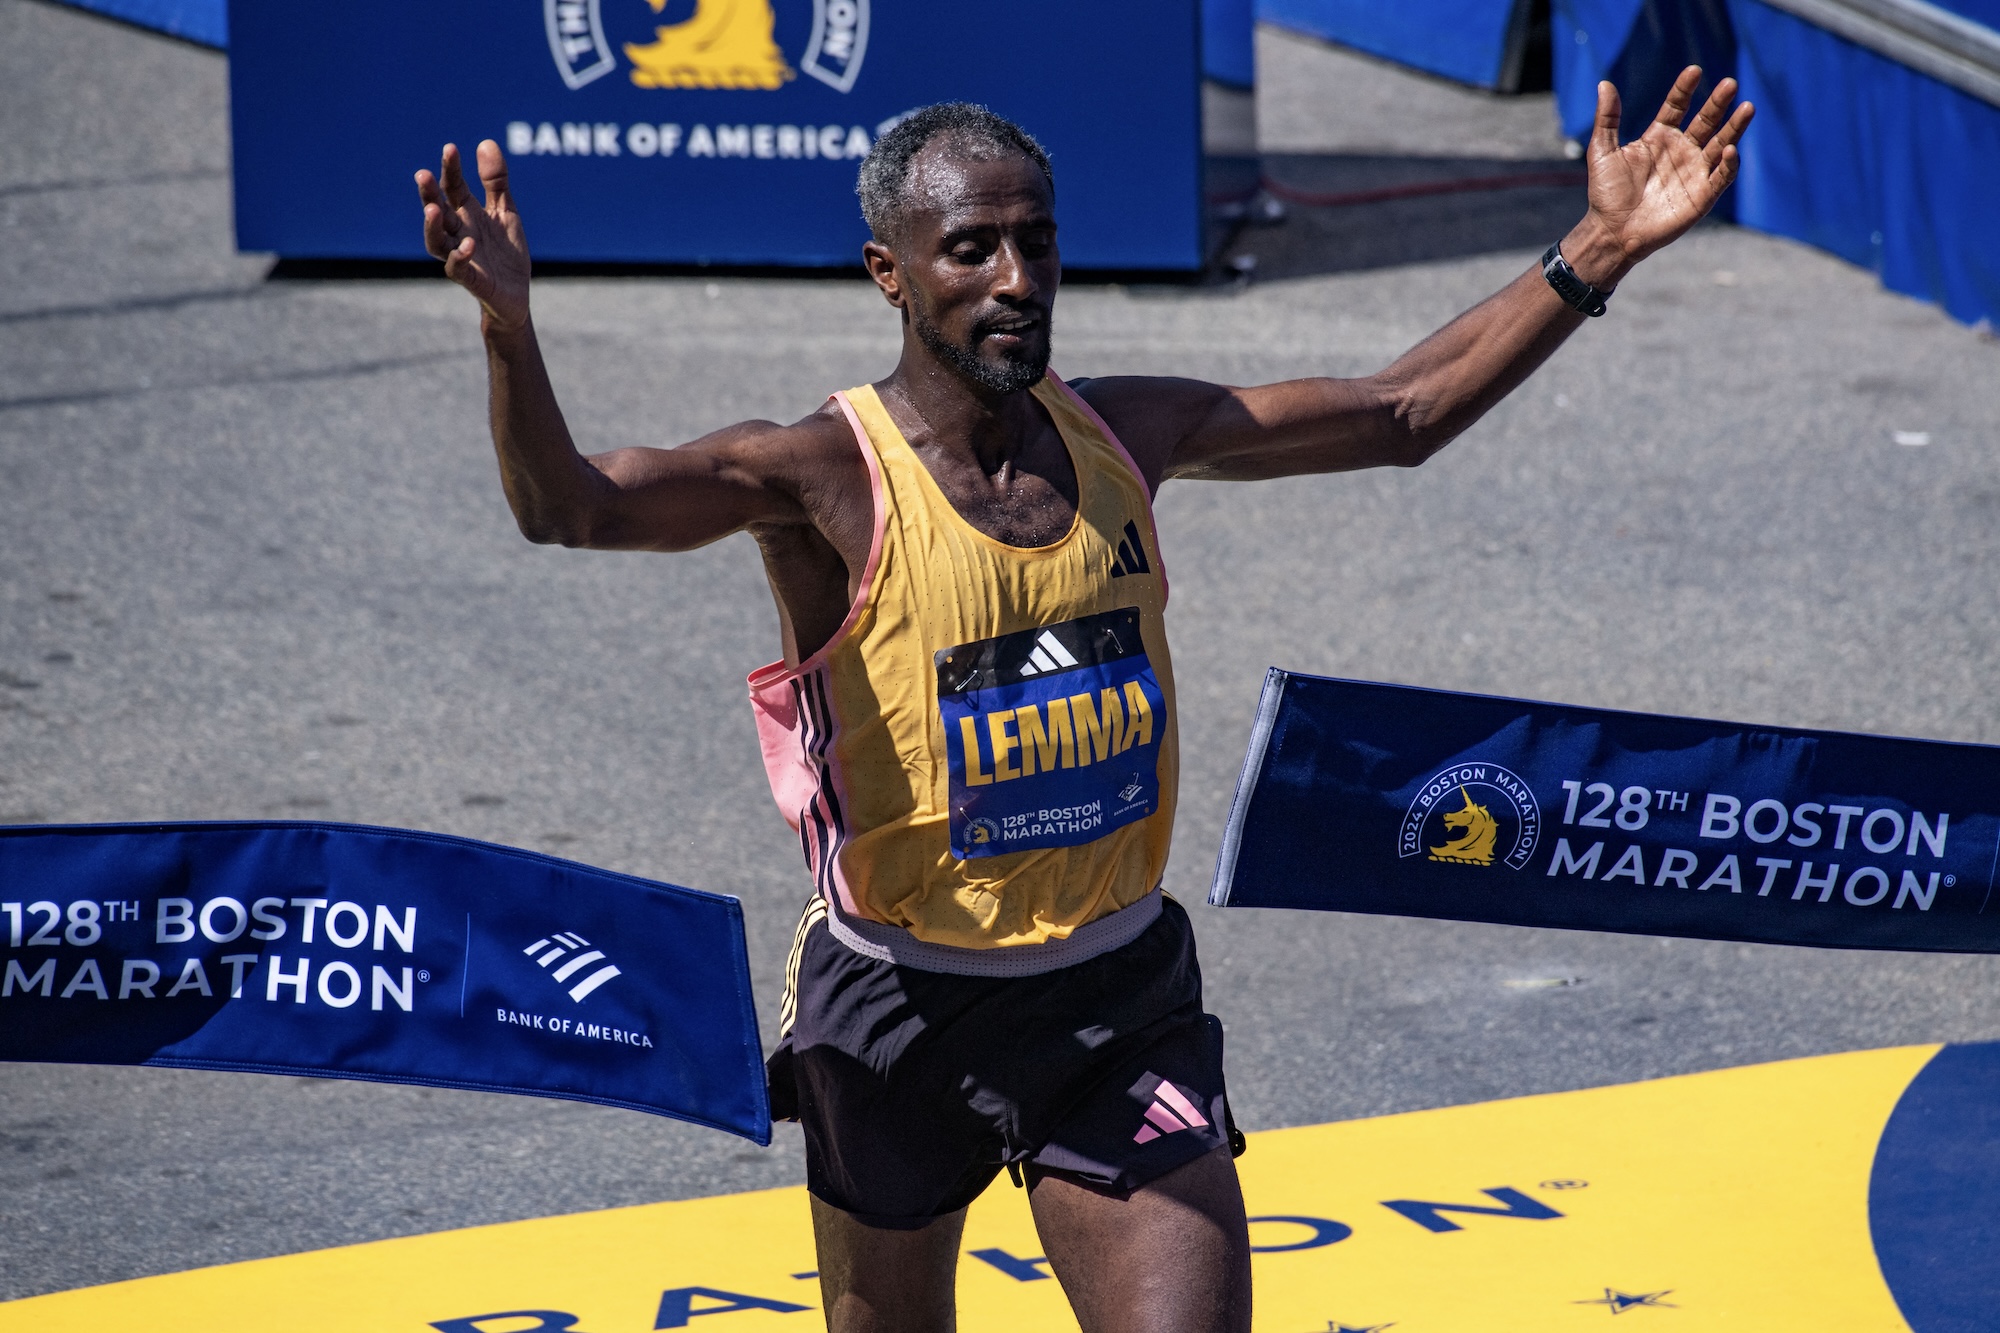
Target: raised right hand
483 248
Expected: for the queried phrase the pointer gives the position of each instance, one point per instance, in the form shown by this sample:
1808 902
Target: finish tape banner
341 951
1359 797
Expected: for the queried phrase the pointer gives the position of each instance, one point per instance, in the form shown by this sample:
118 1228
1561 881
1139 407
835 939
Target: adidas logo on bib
1049 655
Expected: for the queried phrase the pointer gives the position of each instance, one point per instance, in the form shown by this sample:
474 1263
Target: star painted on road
1621 1301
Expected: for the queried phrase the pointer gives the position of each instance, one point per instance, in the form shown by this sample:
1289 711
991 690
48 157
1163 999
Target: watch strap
1577 294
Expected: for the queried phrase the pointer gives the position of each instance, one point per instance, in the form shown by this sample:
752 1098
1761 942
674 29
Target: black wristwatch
1577 294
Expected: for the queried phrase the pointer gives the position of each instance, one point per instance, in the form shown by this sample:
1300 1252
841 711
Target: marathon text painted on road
380 954
1362 797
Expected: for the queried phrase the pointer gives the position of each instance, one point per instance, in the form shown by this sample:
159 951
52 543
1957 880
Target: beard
1017 370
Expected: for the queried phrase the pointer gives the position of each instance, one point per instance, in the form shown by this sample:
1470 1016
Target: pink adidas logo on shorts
1171 1111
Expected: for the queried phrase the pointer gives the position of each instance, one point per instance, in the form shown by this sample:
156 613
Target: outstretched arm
1643 196
655 499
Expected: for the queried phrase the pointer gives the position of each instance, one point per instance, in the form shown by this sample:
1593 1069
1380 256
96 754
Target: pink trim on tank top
777 672
779 728
1104 428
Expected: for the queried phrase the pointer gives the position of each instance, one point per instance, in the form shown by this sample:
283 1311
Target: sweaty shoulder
805 459
787 454
818 461
1150 414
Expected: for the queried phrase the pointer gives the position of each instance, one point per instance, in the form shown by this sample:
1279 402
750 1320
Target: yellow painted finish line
1728 1200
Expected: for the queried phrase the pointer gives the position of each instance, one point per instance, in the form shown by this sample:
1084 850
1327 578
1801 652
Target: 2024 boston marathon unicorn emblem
718 44
1494 818
1476 834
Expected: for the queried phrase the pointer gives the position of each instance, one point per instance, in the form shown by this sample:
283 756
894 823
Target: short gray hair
974 132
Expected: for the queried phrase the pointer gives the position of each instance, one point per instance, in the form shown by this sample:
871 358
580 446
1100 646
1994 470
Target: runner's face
982 266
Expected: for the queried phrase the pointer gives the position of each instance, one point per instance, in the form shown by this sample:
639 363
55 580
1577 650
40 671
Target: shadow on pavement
1349 212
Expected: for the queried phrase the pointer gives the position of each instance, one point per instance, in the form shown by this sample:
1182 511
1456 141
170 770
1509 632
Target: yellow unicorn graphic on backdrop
727 44
1475 845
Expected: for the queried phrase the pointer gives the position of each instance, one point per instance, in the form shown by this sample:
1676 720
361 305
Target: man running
972 729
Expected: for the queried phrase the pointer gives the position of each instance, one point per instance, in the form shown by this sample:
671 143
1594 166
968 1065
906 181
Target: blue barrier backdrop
1360 797
1852 152
1886 167
1227 49
1227 53
1460 39
203 21
722 131
1641 46
1229 42
349 952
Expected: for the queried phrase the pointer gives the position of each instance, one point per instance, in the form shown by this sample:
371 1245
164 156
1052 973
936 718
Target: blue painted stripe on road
1932 1194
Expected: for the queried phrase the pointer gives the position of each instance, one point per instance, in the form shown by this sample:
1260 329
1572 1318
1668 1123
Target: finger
1713 112
493 176
1674 110
1731 133
436 243
441 230
456 195
433 197
1725 171
458 265
448 217
1604 135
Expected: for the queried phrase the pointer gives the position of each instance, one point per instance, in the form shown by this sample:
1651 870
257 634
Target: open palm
483 247
1651 190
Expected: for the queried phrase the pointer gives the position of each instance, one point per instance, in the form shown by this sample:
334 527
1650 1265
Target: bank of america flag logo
570 954
1049 655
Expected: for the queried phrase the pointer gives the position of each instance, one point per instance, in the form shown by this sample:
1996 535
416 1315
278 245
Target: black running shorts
915 1088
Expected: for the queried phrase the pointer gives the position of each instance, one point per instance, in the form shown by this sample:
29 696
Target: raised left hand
1648 192
483 246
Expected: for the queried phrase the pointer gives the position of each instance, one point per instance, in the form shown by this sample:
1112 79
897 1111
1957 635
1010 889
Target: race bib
1053 735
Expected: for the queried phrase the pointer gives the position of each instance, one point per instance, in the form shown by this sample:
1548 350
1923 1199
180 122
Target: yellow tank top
981 766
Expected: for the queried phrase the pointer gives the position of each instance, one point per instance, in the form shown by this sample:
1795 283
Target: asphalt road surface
254 562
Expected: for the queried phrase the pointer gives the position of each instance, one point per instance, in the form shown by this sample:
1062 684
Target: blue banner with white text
704 131
343 951
1361 797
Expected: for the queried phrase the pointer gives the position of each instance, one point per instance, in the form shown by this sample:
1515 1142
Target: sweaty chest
1026 502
